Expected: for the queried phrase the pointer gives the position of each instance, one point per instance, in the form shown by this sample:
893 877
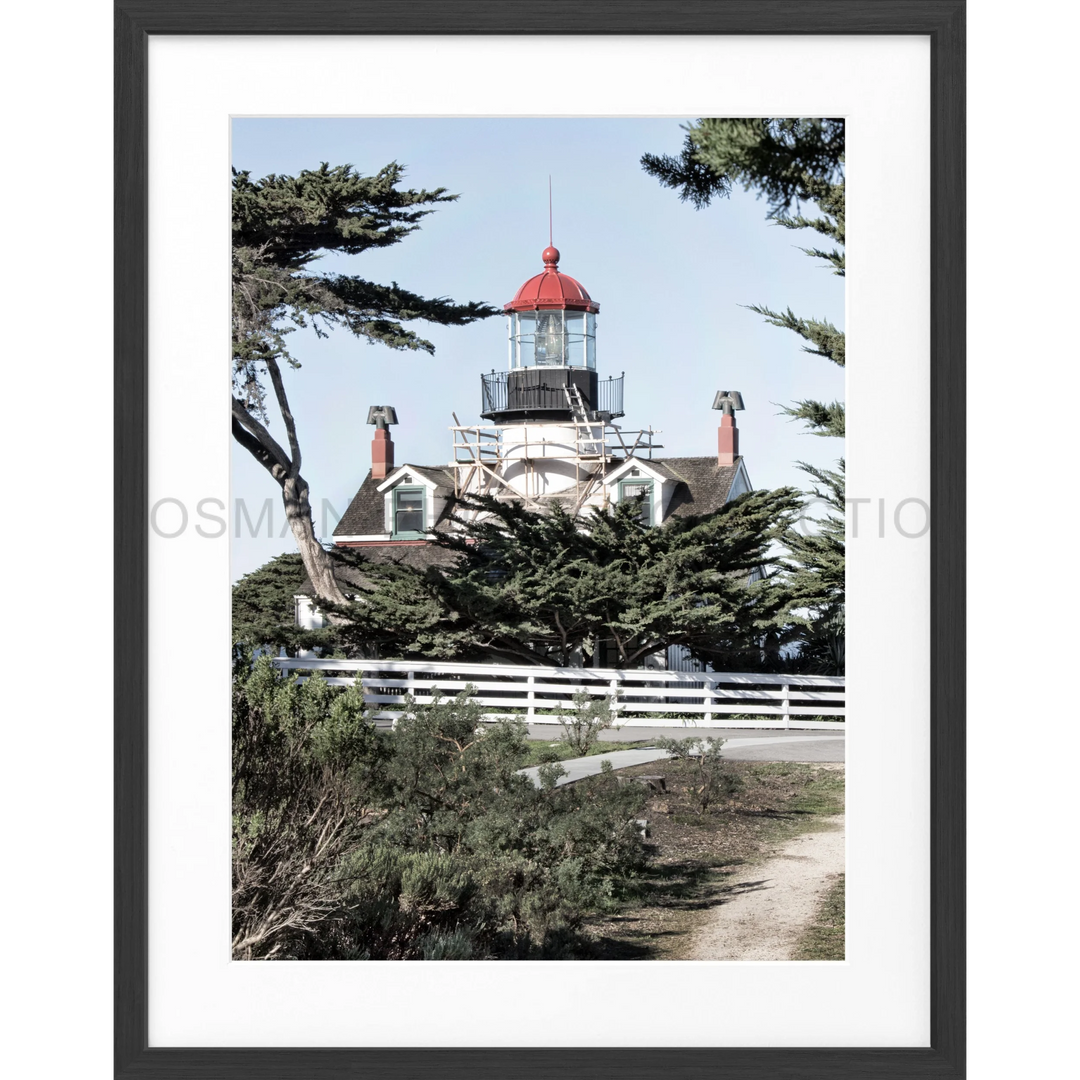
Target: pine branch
835 258
696 183
826 339
828 420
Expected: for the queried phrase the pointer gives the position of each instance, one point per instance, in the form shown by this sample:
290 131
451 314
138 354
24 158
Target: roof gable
437 479
653 468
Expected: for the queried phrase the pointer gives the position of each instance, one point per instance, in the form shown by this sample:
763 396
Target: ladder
592 444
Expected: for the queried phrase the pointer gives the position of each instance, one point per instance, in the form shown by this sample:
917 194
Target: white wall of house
740 485
308 616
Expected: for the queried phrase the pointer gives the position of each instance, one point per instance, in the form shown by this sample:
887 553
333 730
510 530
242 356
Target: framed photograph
183 75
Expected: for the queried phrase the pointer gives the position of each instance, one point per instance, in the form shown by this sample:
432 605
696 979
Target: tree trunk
294 494
254 437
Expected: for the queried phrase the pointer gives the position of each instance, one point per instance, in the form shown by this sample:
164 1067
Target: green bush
307 768
712 779
426 844
582 727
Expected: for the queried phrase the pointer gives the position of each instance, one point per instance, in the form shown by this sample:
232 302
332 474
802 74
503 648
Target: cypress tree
789 162
263 608
543 588
281 226
792 163
815 562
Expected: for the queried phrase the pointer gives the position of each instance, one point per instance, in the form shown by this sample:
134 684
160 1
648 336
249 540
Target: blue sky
669 280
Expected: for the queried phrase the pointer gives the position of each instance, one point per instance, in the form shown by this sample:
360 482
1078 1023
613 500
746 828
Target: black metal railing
609 395
520 392
493 392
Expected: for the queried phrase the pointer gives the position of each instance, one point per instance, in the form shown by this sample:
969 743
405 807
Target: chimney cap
729 401
384 413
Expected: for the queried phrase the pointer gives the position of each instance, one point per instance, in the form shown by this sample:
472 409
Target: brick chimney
382 446
727 443
382 454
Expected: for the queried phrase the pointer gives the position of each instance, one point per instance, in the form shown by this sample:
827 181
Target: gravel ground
763 912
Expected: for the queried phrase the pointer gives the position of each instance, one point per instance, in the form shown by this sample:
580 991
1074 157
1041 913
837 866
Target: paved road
742 744
739 746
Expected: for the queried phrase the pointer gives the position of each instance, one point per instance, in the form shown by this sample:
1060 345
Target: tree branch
256 449
286 414
263 439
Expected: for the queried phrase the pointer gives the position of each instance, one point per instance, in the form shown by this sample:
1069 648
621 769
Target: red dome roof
552 289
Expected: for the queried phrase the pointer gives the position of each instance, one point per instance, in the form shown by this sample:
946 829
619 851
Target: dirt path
764 910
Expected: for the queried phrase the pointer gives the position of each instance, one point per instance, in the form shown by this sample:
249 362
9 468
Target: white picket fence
644 697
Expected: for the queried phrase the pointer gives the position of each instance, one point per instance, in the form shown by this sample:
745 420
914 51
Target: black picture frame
943 21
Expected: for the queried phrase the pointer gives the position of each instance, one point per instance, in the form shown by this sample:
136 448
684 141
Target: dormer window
638 489
408 513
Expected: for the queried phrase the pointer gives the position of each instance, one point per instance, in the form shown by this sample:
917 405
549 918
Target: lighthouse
550 411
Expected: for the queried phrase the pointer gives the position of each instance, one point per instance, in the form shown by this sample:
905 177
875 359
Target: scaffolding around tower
541 464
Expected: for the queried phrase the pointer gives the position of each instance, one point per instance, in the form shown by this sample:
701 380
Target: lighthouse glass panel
550 339
554 338
522 331
575 338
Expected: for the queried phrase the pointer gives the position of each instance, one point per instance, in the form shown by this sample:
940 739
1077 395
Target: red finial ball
550 256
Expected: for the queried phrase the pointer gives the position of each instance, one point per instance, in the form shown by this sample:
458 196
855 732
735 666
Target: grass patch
824 938
814 791
541 750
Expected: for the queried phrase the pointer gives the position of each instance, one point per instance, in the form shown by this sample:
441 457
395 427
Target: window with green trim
408 513
643 489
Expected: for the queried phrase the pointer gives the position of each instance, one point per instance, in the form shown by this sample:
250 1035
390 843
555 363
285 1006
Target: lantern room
556 338
552 369
552 320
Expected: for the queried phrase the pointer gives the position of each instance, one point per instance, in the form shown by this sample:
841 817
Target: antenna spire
551 241
550 254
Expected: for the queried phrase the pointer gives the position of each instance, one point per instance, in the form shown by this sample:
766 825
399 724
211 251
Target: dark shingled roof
352 579
419 556
703 485
364 517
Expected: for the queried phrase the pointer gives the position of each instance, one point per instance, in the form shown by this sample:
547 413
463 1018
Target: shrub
711 777
582 727
424 844
307 766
